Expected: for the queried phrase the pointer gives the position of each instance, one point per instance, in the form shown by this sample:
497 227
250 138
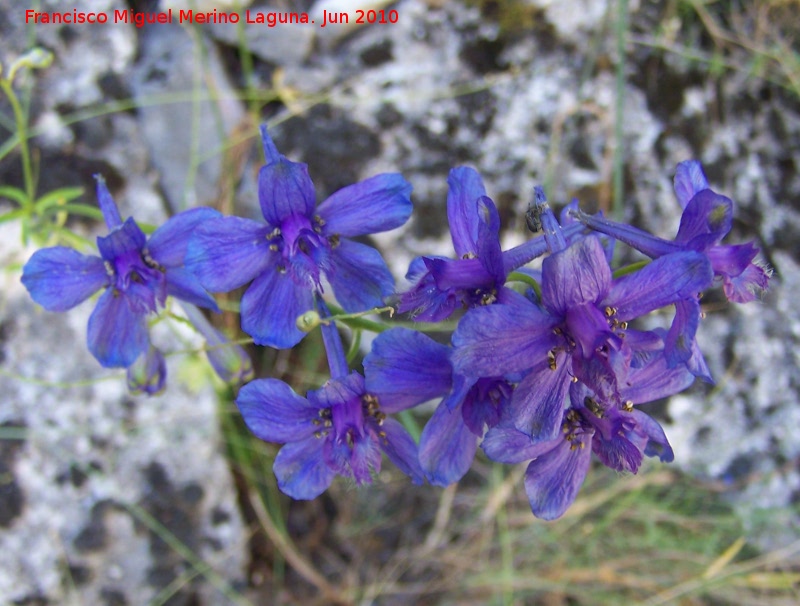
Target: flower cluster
546 365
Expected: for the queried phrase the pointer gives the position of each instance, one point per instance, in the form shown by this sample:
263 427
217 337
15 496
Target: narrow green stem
622 35
355 345
629 269
518 276
248 66
357 321
22 134
410 423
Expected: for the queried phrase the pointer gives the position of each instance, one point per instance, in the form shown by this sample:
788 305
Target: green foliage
42 217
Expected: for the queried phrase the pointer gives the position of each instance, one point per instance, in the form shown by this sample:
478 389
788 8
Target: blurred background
117 500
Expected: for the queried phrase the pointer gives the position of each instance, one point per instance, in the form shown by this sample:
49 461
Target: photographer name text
270 19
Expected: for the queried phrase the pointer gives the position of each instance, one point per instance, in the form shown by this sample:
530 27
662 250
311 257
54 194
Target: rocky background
523 90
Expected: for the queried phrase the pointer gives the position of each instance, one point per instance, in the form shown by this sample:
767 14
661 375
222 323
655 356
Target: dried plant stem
442 518
287 549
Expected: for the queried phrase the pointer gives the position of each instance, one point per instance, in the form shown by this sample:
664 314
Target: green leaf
355 346
518 276
12 215
14 193
629 269
59 196
83 210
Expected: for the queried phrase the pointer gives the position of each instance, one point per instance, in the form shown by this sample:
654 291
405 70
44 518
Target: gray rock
86 468
446 85
186 132
285 44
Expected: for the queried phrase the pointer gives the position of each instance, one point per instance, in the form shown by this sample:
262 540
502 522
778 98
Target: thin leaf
14 193
58 197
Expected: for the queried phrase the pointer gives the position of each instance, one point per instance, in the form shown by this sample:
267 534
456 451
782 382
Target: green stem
518 276
22 134
629 269
621 34
410 423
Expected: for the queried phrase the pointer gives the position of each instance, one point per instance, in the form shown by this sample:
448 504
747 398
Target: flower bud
308 321
148 374
229 361
36 58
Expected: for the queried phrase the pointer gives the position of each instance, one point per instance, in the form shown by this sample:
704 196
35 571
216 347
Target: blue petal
398 445
656 443
499 339
602 373
270 308
747 286
680 338
446 446
284 189
537 404
148 374
634 237
697 365
664 281
116 335
59 278
488 251
167 245
229 252
655 381
577 275
230 361
377 204
617 446
122 240
271 152
525 253
743 280
462 386
275 413
339 391
107 205
301 470
553 480
405 368
689 180
355 456
426 302
484 403
705 221
359 276
183 285
460 274
589 327
505 443
417 268
465 189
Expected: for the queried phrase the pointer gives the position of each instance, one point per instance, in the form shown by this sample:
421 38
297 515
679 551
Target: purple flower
577 330
478 274
138 274
339 429
706 220
148 374
406 368
618 434
286 257
229 360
